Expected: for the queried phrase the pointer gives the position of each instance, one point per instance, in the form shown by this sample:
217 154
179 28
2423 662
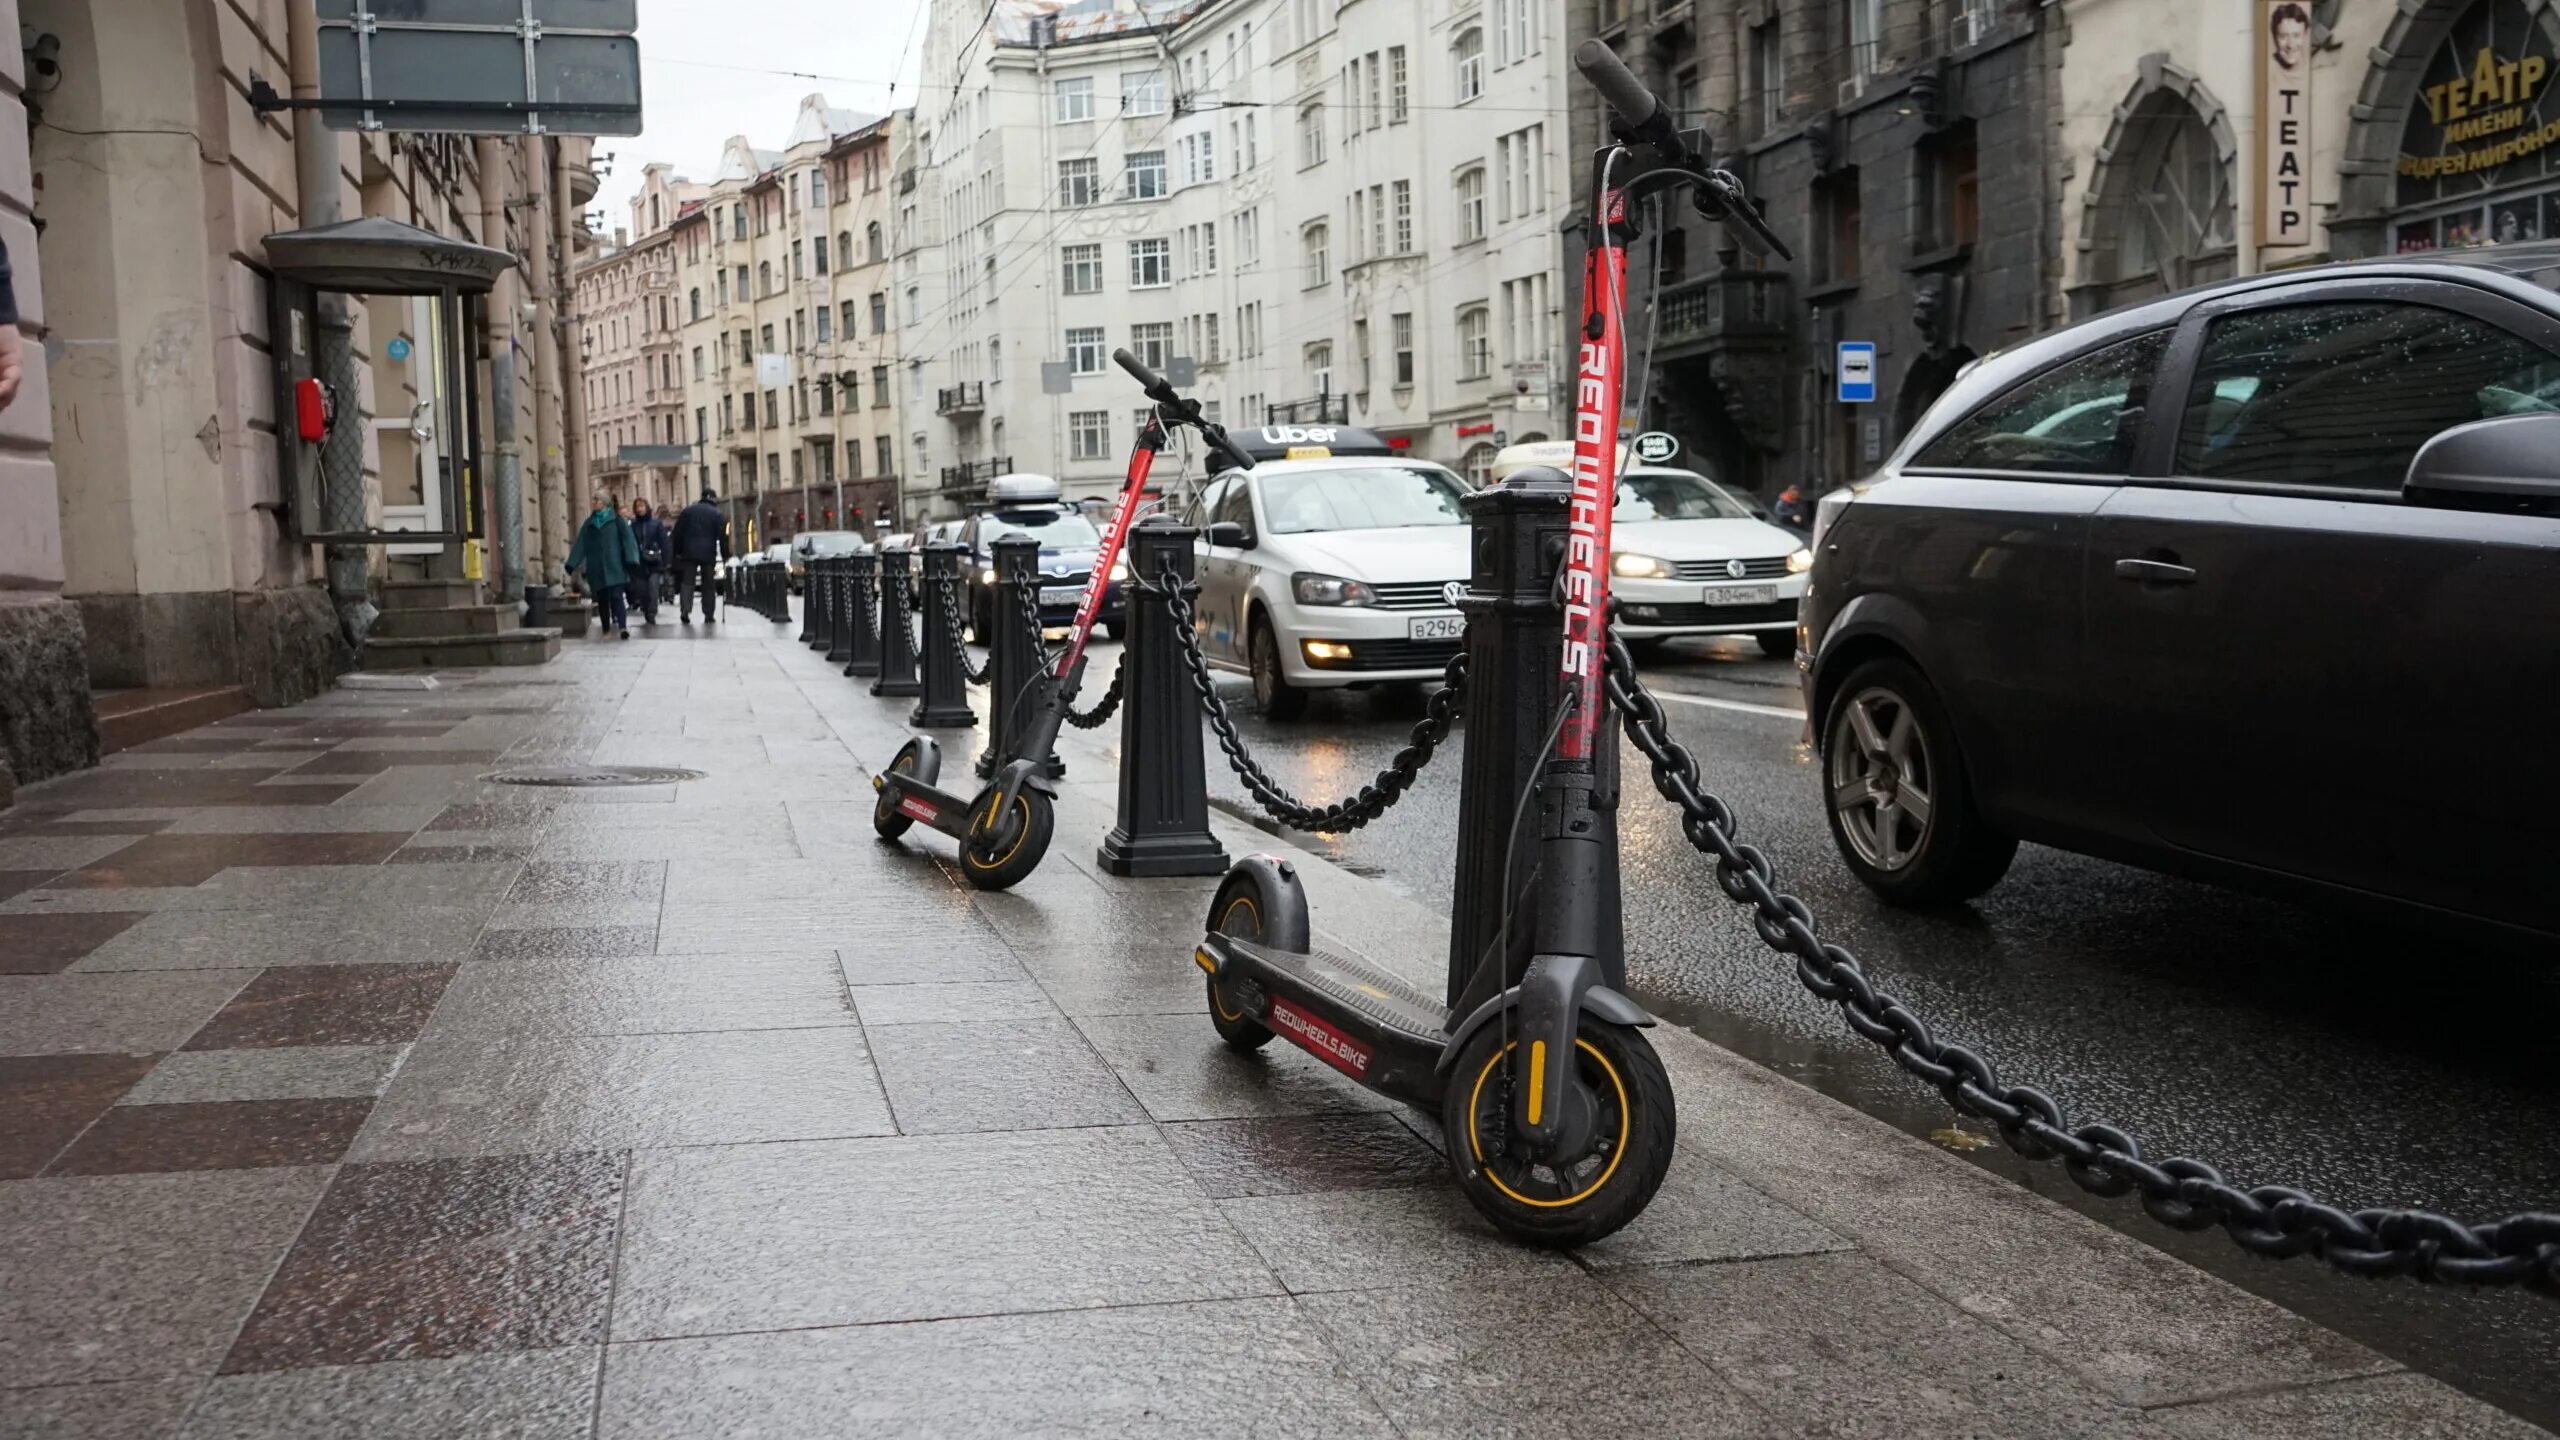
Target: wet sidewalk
345 1092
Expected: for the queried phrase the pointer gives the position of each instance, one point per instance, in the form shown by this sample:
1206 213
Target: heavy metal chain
1100 714
2271 1220
1375 797
974 674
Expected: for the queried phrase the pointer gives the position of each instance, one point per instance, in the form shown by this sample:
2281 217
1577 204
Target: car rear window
2078 418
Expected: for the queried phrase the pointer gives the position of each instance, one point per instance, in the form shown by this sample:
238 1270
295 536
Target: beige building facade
147 541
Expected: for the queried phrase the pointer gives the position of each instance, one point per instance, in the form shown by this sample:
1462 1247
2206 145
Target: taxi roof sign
1302 442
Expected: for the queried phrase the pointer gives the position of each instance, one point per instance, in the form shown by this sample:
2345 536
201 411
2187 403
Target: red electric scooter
1004 829
1558 1115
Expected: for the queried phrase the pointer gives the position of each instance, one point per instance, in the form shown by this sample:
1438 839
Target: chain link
951 621
1100 714
2271 1220
1375 797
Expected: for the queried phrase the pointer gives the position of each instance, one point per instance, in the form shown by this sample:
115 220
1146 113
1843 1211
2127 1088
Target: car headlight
1639 567
986 577
1119 571
1800 562
1312 589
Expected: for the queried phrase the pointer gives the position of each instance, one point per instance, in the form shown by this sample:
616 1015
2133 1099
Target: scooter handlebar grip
1156 386
1217 435
1616 83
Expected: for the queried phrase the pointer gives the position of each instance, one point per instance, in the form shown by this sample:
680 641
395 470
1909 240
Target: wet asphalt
2370 1063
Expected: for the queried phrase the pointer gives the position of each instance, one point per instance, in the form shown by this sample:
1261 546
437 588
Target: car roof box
1302 442
1022 489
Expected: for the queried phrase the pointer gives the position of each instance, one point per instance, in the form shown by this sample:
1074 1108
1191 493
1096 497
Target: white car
1334 564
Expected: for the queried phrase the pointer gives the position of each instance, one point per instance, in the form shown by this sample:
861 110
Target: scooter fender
1598 1000
997 799
1550 1000
927 770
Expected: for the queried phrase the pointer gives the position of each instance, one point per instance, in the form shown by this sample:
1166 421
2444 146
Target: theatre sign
2477 159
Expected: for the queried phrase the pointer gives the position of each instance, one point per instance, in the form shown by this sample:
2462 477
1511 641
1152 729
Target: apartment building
785 340
631 344
1308 210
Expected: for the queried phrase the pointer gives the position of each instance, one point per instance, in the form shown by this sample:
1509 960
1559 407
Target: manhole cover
591 777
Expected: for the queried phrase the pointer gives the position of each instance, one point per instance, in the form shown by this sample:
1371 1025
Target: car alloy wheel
1882 781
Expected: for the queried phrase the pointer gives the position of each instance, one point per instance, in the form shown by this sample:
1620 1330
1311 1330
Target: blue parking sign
1857 372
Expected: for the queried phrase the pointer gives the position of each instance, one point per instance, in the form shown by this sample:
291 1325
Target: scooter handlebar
1179 410
1216 435
1616 83
1157 387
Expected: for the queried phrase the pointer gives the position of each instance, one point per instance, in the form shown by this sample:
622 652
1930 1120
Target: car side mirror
2510 463
1231 535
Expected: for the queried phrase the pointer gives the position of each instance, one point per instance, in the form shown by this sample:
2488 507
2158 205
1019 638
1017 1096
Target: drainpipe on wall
574 460
492 158
317 183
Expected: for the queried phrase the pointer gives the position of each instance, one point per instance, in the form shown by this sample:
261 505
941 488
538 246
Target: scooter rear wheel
1559 1206
989 869
887 819
1262 903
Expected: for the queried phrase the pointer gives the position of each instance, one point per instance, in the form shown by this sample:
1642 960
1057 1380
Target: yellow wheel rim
969 856
1218 1001
1475 1141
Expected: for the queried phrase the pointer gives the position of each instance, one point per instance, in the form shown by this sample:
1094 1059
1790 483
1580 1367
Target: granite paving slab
95 1014
296 1072
528 1395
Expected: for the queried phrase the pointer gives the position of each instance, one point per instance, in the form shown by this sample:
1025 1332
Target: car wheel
1777 644
1271 688
1896 793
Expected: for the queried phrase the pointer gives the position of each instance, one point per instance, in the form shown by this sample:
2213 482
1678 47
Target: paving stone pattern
346 1092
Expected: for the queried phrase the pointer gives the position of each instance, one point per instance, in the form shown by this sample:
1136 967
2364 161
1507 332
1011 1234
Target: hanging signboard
539 67
2284 124
2481 148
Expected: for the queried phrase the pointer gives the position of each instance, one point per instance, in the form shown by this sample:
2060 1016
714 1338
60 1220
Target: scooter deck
1371 1025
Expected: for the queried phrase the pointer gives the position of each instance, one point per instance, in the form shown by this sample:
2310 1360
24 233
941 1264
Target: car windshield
1675 495
1055 530
1379 498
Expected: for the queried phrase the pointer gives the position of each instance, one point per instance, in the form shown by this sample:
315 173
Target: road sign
1857 372
654 454
1654 447
398 348
490 67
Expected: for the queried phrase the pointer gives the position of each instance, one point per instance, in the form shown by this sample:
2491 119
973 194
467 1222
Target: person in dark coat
605 556
650 534
701 540
1791 511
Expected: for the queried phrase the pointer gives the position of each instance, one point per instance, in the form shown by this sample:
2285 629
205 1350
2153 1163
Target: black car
2258 583
1069 543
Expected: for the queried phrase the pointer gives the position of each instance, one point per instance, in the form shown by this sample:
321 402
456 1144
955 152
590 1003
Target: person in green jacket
606 556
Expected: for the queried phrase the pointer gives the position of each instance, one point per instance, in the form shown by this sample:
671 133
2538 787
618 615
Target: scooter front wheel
1623 1151
992 867
887 819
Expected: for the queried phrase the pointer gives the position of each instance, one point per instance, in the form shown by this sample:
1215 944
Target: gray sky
706 74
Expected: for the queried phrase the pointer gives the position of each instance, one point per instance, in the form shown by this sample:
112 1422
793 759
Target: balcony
1731 310
967 398
1316 410
968 482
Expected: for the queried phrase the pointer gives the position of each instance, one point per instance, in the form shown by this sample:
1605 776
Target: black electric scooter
1004 829
1557 1113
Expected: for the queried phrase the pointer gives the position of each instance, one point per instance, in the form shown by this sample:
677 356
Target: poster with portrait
2284 123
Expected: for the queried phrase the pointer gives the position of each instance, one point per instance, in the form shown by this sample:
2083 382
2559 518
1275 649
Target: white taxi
1689 557
1333 563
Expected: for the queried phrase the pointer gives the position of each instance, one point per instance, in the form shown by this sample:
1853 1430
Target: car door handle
2156 572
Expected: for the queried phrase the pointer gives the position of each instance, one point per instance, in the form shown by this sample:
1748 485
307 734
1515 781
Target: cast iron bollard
813 591
945 705
834 625
1163 826
821 599
862 651
1013 651
897 637
1515 651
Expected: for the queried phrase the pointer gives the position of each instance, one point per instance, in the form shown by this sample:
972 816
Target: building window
880 448
1955 186
695 297
875 242
1310 135
1838 225
1400 339
1524 315
1144 177
697 362
1072 100
1248 236
1142 92
1769 69
1152 344
738 219
1083 265
1088 434
1521 156
817 187
2164 204
1468 53
1404 216
1515 30
1316 241
844 249
1319 357
1150 263
1399 86
817 254
826 397
1866 30
879 311
1084 351
880 394
1360 351
1079 182
764 277
1475 343
1471 218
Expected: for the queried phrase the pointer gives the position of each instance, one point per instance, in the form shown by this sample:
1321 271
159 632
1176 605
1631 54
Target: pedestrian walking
1791 511
650 534
606 557
701 542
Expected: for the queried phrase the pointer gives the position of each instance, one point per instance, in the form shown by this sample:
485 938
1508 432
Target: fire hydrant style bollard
1163 825
862 652
945 705
1013 650
897 640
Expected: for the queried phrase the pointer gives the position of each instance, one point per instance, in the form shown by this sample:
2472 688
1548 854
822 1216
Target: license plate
1061 594
1436 627
1740 595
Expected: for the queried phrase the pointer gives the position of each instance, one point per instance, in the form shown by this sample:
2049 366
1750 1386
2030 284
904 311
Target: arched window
844 249
1475 343
1478 464
1470 195
876 242
654 221
1468 52
1311 135
1316 240
764 277
2160 214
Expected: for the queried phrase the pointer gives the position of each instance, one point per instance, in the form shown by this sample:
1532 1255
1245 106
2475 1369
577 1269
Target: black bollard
862 651
897 637
812 595
1013 652
1163 826
1515 651
945 705
834 626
